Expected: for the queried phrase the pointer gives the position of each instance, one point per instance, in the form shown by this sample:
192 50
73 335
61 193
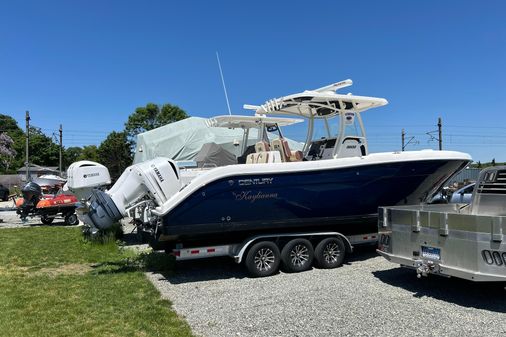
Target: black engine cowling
31 196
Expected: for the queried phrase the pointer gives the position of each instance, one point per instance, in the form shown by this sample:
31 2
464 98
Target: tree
151 117
493 162
114 153
11 128
72 154
7 152
479 164
42 150
89 152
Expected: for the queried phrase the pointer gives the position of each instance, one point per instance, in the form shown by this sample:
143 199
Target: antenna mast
223 82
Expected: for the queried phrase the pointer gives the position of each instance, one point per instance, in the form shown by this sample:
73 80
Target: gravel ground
368 296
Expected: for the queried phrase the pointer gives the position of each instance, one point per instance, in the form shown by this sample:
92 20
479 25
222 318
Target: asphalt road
368 296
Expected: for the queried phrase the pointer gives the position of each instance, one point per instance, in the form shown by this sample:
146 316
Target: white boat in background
49 180
183 140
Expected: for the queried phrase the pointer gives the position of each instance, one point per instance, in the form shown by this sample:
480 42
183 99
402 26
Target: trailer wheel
46 220
329 253
263 259
71 219
297 255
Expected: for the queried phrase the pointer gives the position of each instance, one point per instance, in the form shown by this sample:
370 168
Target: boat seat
264 157
262 146
277 145
296 155
281 145
251 158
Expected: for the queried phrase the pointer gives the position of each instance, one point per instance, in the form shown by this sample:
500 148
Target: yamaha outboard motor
31 196
151 183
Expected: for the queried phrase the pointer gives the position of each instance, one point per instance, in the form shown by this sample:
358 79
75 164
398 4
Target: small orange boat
48 207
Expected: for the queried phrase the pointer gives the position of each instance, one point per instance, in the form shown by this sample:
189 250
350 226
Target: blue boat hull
345 200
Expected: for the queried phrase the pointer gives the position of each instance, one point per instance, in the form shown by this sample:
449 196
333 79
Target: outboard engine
84 176
31 196
153 181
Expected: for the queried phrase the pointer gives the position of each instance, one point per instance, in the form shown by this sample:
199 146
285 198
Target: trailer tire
329 253
263 259
71 219
297 255
46 220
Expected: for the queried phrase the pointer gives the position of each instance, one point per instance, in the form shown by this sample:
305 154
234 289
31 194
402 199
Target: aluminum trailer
453 240
263 254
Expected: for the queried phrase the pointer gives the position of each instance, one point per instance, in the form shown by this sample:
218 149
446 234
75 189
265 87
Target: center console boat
331 183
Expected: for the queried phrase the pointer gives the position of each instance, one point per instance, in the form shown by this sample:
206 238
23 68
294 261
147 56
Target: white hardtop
247 122
321 102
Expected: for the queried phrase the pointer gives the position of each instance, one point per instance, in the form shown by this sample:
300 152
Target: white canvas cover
183 140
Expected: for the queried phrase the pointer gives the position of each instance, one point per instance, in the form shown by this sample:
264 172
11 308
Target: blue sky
89 64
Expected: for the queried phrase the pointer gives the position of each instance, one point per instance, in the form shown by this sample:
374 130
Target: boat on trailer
334 185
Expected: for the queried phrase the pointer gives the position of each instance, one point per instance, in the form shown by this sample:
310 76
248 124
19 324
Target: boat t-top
323 106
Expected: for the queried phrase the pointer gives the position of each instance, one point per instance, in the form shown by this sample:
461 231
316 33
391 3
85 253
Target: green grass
52 246
54 283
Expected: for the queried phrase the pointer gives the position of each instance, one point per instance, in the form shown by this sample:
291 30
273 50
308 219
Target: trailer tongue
465 241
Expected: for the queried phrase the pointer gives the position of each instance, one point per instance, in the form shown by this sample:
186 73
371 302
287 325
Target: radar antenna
223 82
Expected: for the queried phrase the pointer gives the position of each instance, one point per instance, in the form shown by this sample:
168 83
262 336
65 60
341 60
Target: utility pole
27 119
439 131
61 149
411 140
440 137
403 135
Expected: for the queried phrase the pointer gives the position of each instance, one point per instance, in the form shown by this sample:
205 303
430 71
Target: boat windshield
262 132
331 128
351 126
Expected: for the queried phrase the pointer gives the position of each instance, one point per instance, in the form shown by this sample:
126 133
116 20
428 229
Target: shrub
103 236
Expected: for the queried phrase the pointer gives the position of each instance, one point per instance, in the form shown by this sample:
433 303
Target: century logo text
255 181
